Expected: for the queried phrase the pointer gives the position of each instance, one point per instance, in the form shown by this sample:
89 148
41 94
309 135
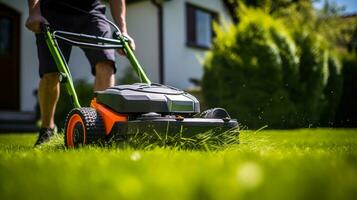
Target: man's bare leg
104 76
48 94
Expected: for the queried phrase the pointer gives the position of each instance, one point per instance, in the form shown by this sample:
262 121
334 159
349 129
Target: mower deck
187 127
156 108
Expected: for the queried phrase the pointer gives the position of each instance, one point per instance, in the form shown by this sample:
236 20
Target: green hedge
347 109
332 93
266 75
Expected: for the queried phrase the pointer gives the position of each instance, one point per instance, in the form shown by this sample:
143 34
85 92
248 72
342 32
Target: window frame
191 40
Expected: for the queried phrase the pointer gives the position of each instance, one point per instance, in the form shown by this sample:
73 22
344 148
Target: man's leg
48 94
104 75
102 62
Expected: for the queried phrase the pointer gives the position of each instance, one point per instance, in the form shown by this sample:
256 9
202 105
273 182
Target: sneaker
44 135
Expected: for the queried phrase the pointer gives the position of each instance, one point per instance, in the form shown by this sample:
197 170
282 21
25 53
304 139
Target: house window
5 36
199 26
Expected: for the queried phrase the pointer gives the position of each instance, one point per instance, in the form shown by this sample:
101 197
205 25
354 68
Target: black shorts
78 23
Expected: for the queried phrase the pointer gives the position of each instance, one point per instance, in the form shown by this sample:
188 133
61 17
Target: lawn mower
124 110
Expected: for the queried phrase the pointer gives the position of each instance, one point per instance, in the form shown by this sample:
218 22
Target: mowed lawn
292 164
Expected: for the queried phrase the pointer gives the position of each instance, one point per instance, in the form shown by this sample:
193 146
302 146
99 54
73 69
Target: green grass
295 164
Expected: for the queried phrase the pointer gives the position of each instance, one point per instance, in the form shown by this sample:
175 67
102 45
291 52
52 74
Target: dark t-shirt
67 6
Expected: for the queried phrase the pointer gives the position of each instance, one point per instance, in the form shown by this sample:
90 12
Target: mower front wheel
83 126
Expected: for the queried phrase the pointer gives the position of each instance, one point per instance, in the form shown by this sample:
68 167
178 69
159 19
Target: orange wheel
83 126
75 133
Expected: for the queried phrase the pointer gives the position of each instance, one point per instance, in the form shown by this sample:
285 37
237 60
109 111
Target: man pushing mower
70 15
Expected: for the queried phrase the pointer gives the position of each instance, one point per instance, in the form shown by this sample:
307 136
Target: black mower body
162 109
144 98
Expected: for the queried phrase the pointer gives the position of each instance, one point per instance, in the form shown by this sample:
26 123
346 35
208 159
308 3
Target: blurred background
281 63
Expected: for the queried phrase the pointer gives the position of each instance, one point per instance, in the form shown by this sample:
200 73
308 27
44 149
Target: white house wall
142 23
183 62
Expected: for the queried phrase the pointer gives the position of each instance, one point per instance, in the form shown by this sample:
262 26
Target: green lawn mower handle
87 41
65 75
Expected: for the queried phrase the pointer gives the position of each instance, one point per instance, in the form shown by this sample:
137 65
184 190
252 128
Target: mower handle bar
86 41
81 40
118 41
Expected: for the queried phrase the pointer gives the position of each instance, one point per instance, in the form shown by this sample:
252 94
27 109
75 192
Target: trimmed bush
246 71
332 92
347 109
312 78
264 75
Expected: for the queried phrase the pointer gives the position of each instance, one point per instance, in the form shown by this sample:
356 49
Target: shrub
264 74
128 76
332 92
347 109
247 70
313 76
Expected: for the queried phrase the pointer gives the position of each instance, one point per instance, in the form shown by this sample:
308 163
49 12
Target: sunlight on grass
297 164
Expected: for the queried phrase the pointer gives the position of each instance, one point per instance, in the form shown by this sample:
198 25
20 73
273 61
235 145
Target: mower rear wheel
83 126
215 113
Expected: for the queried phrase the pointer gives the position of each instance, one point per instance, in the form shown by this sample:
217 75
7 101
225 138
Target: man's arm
118 10
35 18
